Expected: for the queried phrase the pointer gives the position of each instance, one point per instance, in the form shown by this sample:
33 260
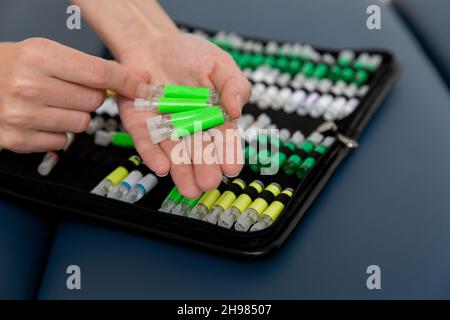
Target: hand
47 90
178 58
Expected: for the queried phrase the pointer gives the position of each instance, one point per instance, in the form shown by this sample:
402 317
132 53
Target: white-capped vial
107 106
262 122
307 103
103 138
310 84
51 158
335 108
294 101
96 123
339 87
297 138
244 121
247 45
283 80
281 99
362 91
321 105
116 176
271 48
328 59
142 187
125 185
348 108
375 62
284 134
257 75
257 91
324 85
257 47
350 90
271 75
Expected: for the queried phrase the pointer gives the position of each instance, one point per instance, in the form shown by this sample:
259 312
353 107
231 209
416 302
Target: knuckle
23 87
13 117
32 49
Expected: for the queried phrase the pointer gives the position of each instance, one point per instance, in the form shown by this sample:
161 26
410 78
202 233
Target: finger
57 93
229 149
207 171
75 66
26 141
135 124
38 117
182 173
234 88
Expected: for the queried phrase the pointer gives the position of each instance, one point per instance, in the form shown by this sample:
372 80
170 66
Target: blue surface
430 22
386 205
25 240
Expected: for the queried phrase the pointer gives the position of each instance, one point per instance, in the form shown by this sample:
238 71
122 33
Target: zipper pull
331 126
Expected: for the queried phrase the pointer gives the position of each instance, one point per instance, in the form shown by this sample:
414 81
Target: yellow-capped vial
230 216
234 190
116 177
273 211
185 206
257 207
206 202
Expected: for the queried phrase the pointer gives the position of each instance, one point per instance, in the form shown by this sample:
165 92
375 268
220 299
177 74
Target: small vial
294 101
126 185
335 109
263 121
346 58
338 88
185 206
295 159
321 105
282 98
348 108
362 91
271 48
324 85
257 207
234 189
142 187
169 105
311 160
251 192
177 125
112 124
283 80
182 92
171 201
273 210
208 199
257 91
115 177
307 103
245 121
51 158
96 123
287 149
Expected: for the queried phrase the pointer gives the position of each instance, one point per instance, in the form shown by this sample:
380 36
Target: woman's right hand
47 90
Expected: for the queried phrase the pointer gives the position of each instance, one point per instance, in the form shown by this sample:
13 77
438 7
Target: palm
186 60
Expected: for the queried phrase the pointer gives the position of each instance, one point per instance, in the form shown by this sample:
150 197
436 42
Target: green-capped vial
294 67
177 125
257 207
251 192
295 159
206 202
273 210
348 74
171 201
185 206
122 139
182 92
308 69
320 71
234 190
170 105
311 160
361 77
335 73
286 150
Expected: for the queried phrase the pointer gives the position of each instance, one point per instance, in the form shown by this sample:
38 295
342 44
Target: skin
47 89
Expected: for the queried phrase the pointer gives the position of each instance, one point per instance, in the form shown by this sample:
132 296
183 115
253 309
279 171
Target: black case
67 187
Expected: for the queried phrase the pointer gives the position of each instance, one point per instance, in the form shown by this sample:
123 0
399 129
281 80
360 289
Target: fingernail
163 175
142 91
239 103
